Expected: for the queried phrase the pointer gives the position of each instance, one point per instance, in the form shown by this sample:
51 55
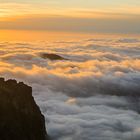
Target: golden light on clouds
71 101
82 60
53 17
20 9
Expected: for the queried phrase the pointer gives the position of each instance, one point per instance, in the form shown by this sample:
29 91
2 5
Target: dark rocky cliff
20 117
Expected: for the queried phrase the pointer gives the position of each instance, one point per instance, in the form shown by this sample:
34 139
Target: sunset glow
92 16
69 69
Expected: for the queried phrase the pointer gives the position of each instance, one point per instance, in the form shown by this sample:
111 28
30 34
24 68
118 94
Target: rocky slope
20 117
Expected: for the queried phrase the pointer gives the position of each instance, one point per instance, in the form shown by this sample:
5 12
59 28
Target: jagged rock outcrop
52 56
20 117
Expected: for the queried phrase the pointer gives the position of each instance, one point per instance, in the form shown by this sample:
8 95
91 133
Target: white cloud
93 95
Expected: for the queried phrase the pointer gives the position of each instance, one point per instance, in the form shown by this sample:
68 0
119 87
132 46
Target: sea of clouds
93 95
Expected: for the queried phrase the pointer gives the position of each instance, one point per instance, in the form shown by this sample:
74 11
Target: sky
107 16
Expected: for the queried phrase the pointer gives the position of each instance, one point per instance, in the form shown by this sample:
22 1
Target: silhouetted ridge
20 117
52 56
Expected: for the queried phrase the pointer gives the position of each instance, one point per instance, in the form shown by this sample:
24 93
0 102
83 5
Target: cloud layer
111 24
94 94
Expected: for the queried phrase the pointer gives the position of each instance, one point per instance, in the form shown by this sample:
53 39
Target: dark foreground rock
52 56
20 117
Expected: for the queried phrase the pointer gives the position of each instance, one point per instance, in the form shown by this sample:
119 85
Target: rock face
20 117
52 56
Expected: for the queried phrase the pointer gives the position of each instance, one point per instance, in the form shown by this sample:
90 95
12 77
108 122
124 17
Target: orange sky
75 16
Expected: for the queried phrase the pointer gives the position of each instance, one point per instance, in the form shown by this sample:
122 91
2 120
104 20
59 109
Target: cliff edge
20 117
